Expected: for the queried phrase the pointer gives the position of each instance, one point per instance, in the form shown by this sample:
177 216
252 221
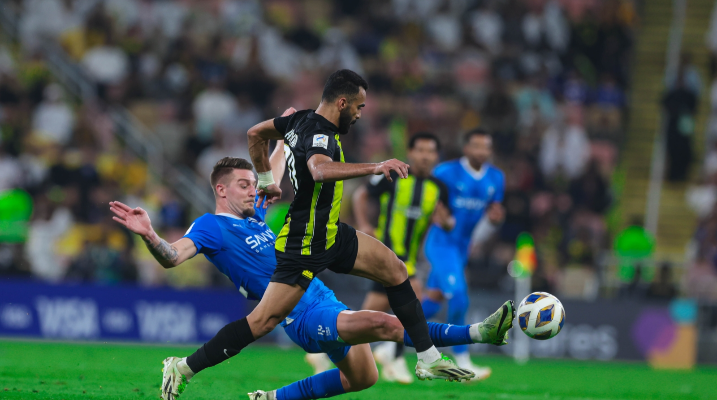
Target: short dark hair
225 166
343 82
475 132
423 136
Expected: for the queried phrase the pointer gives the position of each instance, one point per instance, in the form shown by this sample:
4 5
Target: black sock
228 342
405 305
399 350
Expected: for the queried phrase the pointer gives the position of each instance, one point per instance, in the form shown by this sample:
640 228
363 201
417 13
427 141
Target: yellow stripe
380 230
399 221
306 244
332 226
429 201
283 235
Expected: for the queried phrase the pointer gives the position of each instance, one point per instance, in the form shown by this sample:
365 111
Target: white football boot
173 382
443 368
464 361
400 371
262 395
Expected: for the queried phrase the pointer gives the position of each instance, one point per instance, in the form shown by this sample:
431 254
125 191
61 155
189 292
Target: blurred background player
475 191
407 208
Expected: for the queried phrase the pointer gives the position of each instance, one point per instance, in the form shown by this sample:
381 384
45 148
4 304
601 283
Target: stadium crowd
547 77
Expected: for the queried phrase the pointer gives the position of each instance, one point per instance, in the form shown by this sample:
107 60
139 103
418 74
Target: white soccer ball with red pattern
541 315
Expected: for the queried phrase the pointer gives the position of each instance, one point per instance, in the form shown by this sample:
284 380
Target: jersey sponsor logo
321 141
308 274
261 240
291 138
413 212
469 203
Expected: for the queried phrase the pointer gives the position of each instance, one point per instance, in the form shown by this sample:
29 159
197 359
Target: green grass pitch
42 370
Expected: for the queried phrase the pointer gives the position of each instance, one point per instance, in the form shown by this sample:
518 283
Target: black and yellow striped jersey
312 222
407 206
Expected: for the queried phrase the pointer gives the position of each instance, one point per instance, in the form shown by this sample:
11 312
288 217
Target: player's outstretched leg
356 372
375 261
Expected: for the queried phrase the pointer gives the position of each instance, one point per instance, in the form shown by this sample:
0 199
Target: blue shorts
314 330
447 269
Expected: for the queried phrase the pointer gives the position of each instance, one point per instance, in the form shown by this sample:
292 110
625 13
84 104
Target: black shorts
299 269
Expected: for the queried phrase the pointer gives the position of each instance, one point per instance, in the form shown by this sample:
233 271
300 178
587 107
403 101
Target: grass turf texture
41 370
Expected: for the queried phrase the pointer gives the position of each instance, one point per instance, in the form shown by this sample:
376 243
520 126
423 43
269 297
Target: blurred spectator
680 105
564 149
211 107
633 246
53 119
662 287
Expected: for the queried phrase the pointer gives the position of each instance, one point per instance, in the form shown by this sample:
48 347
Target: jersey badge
308 274
321 141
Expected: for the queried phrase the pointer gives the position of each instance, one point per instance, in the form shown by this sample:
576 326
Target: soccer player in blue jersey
475 191
238 242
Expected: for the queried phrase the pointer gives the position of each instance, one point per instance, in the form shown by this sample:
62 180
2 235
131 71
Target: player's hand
288 112
385 168
496 213
268 195
134 219
442 217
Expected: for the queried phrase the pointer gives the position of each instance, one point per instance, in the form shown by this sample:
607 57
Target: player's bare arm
496 213
360 208
259 136
324 169
137 221
278 162
443 218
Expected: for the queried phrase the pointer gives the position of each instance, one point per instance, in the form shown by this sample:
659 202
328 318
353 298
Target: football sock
325 384
457 309
445 335
184 369
430 308
400 346
408 310
228 342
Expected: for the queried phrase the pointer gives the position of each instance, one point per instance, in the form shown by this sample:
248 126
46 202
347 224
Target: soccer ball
541 315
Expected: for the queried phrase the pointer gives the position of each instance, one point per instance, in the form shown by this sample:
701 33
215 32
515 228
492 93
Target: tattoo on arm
164 252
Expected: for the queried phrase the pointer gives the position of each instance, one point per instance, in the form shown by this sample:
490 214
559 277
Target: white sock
429 356
184 369
462 358
474 333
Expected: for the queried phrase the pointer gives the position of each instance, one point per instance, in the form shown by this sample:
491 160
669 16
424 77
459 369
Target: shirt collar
322 121
230 216
476 174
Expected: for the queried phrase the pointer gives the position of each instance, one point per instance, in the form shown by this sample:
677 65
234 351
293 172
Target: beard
345 121
248 212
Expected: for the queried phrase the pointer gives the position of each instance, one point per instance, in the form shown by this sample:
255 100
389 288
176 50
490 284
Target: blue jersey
469 193
243 250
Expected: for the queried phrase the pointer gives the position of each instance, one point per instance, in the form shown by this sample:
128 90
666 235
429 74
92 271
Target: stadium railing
142 141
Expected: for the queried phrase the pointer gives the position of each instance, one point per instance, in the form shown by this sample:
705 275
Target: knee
397 273
263 325
387 327
363 381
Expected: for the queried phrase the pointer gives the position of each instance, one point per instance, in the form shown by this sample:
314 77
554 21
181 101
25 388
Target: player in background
475 189
238 242
313 239
407 208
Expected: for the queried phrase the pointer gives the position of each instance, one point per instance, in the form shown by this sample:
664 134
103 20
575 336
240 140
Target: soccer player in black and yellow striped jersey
407 209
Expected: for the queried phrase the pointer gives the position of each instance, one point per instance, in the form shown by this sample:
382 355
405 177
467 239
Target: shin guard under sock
408 310
228 342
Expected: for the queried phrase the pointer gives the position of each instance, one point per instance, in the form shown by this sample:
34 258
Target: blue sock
444 335
430 308
457 309
325 384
